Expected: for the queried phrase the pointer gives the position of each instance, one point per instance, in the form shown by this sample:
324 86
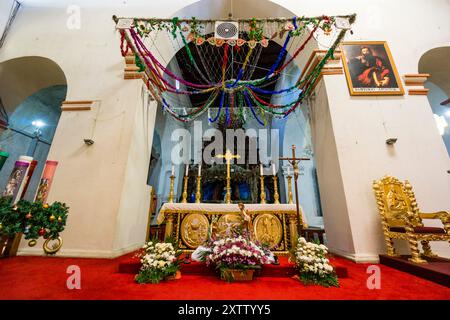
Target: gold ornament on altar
32 243
228 224
52 218
171 191
268 229
228 156
289 181
185 183
194 229
263 192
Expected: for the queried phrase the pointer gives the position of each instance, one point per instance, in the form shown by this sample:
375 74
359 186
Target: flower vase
176 276
237 274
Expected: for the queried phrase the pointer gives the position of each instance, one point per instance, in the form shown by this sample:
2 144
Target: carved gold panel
227 223
268 229
194 229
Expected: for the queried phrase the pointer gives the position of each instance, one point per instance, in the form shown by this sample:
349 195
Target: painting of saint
370 69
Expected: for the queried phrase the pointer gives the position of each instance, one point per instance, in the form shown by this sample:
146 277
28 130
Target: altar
190 224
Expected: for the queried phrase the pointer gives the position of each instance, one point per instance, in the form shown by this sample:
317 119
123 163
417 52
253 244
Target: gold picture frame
370 69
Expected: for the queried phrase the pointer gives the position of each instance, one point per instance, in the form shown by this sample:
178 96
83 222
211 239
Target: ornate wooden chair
401 218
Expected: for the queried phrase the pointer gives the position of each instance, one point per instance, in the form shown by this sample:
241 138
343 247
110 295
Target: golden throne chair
402 219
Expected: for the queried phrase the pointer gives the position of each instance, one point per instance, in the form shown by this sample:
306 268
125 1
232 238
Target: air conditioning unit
226 30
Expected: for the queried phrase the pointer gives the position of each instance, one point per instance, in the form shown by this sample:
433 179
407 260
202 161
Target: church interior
221 149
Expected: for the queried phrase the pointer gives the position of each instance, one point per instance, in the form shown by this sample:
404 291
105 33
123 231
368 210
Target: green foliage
311 278
34 219
9 219
256 31
152 274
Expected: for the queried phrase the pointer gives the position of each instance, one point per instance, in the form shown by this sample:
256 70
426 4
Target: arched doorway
297 122
31 90
436 62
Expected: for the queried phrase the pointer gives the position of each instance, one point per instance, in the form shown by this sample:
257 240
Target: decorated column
46 180
16 179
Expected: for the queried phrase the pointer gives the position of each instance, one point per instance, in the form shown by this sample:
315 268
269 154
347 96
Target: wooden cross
228 156
294 162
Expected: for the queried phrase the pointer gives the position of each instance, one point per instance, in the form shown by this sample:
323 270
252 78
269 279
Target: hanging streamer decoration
222 72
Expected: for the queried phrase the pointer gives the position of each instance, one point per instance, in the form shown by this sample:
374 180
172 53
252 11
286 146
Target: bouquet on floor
236 258
312 264
160 261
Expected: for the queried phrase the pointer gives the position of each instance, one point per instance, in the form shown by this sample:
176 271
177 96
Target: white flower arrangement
313 265
159 260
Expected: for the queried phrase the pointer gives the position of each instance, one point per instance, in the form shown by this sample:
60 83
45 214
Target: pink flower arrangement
236 253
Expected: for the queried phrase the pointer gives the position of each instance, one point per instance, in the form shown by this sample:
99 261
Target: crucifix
294 162
228 156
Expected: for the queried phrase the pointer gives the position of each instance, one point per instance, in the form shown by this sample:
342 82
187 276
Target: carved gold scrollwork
228 223
268 229
194 229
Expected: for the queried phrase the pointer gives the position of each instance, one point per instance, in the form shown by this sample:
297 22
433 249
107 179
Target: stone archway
436 63
31 90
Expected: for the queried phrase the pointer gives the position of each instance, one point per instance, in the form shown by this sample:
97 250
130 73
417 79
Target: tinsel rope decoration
245 91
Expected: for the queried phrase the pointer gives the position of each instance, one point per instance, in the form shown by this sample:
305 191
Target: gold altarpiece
190 224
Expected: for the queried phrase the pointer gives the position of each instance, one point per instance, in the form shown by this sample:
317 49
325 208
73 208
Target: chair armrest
442 215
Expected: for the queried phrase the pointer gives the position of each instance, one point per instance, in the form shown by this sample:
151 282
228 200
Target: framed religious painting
370 69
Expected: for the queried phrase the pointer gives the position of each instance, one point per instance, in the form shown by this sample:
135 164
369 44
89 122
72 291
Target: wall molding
79 253
82 105
356 257
131 71
331 67
416 80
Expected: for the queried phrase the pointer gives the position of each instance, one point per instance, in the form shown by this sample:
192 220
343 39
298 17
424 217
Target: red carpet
284 269
45 278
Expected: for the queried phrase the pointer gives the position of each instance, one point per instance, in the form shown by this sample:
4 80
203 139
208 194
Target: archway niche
436 63
31 90
297 122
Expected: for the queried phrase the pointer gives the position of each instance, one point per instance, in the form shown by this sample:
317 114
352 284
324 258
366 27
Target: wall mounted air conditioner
226 30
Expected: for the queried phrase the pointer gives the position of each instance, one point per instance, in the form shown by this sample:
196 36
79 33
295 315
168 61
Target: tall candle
187 170
261 169
173 170
289 170
273 169
199 169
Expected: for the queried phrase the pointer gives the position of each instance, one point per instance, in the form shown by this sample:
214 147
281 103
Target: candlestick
172 182
185 183
187 170
276 196
198 195
289 178
263 193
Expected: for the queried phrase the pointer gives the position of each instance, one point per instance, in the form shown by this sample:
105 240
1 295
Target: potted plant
236 257
160 261
313 265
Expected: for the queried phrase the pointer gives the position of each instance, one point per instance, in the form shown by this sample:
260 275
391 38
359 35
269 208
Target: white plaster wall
93 66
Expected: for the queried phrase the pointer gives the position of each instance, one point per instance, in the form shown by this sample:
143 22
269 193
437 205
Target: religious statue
12 184
247 224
